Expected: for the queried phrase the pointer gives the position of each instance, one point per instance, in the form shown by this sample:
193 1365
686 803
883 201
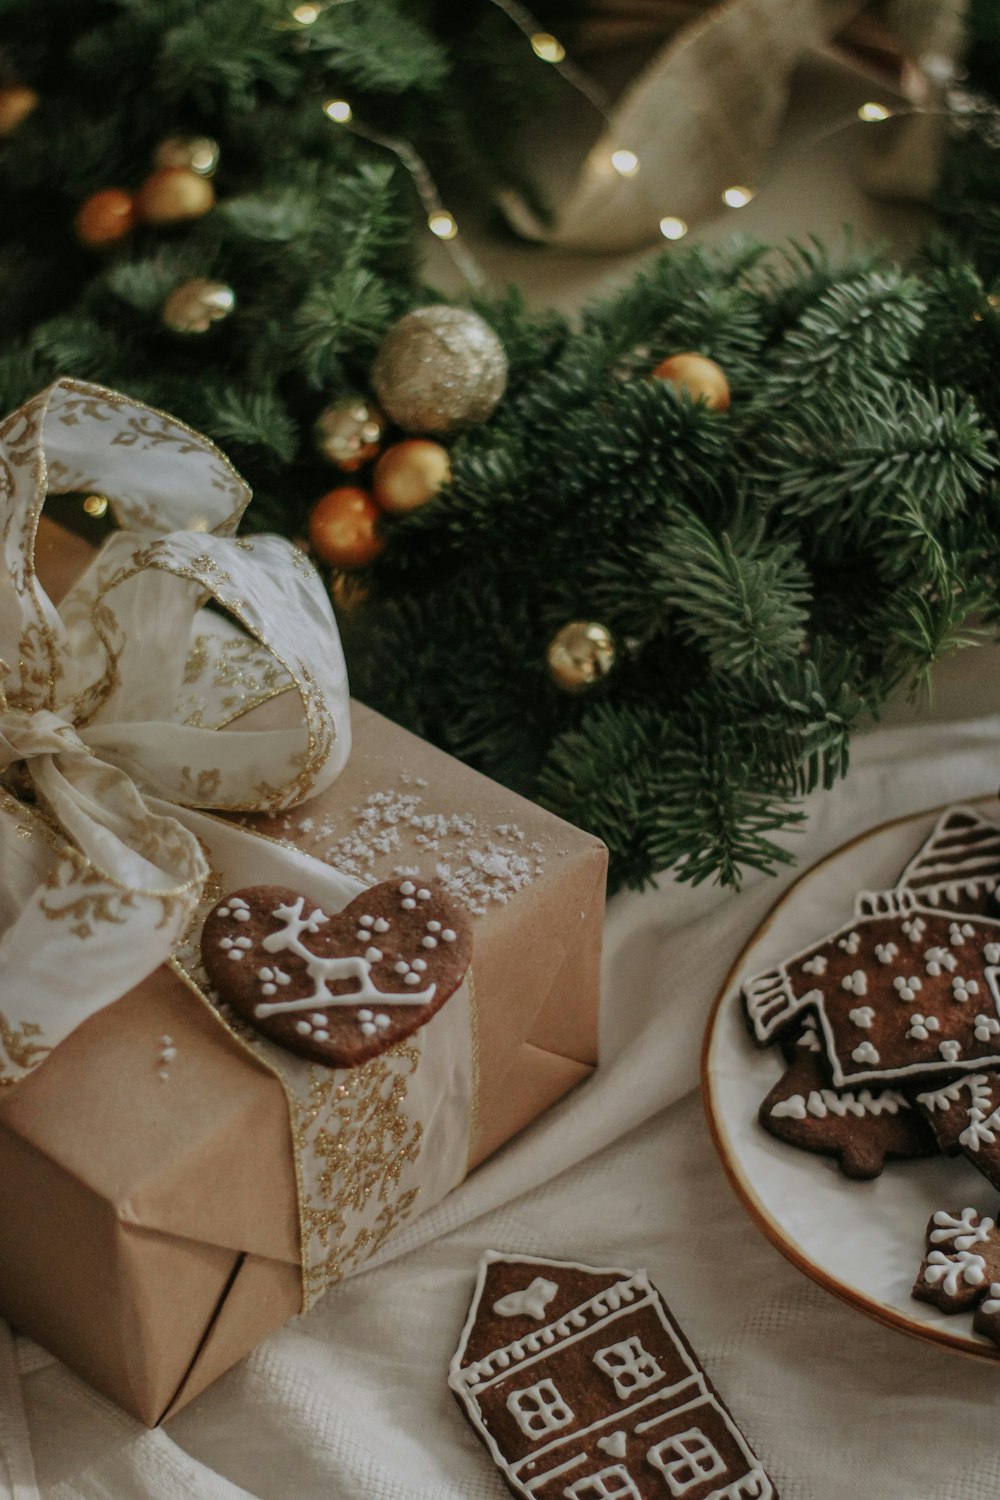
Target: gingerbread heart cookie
337 989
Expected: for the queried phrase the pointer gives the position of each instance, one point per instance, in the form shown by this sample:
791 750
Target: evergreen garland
770 573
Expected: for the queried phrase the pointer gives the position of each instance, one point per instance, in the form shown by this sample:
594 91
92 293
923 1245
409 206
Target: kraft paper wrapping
151 1229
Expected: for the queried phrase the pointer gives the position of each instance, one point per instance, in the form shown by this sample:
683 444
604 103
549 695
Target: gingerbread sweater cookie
583 1387
337 989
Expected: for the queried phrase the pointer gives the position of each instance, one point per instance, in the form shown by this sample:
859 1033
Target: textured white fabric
350 1401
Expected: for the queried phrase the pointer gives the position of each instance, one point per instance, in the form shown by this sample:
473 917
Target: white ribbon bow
117 708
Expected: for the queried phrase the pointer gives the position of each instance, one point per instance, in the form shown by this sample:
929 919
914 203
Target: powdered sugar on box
478 864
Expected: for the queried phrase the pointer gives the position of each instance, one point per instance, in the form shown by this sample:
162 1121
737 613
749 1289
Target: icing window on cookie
629 1366
609 1484
686 1460
539 1409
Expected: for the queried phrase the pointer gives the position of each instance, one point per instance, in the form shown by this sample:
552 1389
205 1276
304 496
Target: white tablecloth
350 1402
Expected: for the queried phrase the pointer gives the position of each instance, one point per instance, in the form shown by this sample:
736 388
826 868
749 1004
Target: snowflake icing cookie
961 1268
337 989
965 1118
582 1386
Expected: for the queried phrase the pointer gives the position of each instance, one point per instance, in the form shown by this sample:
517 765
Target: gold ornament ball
438 369
16 104
409 474
342 528
197 153
105 218
580 655
702 378
173 195
349 433
195 306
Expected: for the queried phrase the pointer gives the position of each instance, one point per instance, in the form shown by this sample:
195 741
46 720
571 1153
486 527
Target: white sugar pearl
265 974
242 916
382 1020
412 979
168 1054
269 989
448 936
235 953
366 921
402 967
368 1028
321 1035
223 911
225 942
433 926
407 888
303 1028
244 943
373 955
423 894
364 1015
420 963
317 1018
381 925
429 942
408 904
362 935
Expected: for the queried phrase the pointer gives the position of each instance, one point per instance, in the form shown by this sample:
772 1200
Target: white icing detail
951 1269
614 1483
419 963
938 959
686 1460
915 927
815 965
381 925
616 1444
373 955
865 1053
265 974
412 979
366 921
629 1366
362 935
961 989
851 943
402 967
407 888
382 1021
423 894
318 1018
368 1028
429 942
532 1299
225 943
322 970
885 952
269 989
539 1409
303 1028
863 1016
987 1027
236 954
991 953
992 1302
365 1015
922 1026
978 1085
907 988
809 1038
168 1054
981 1129
241 916
965 1231
243 942
950 1051
823 1102
433 926
322 1035
959 931
448 936
408 904
857 982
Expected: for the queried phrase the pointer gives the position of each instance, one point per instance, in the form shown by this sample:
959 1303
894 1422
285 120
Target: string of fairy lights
621 157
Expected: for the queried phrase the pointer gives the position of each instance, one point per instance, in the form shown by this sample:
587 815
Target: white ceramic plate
862 1241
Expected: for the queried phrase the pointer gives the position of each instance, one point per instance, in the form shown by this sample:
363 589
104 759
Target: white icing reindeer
328 970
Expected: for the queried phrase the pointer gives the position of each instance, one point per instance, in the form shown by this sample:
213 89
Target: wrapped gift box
150 1230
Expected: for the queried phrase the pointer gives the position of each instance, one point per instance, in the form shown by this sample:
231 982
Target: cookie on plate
337 988
861 1127
582 1386
961 1268
965 1118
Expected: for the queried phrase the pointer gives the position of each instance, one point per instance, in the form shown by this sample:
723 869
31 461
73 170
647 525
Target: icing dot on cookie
223 911
402 967
362 935
321 1035
241 916
265 974
303 1028
423 894
269 989
364 1015
448 936
366 921
381 925
225 942
412 979
429 942
433 926
407 888
373 955
420 963
368 1028
408 904
382 1020
318 1018
243 943
236 953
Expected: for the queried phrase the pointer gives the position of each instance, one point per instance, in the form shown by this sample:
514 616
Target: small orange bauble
700 377
16 104
173 195
105 218
408 474
342 528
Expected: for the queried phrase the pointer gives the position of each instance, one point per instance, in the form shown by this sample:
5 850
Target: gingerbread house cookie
583 1387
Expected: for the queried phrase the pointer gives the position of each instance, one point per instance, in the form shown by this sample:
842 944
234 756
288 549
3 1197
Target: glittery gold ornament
105 218
173 195
198 153
580 655
349 433
409 474
16 104
440 368
195 306
702 378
